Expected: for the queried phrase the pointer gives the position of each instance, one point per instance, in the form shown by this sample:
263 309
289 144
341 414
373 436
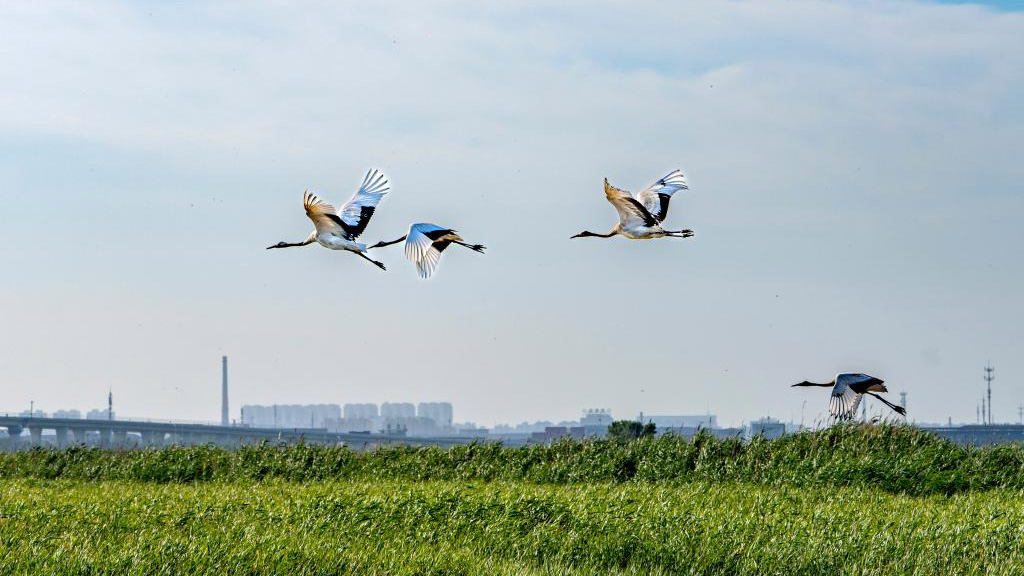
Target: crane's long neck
309 240
382 244
587 233
823 385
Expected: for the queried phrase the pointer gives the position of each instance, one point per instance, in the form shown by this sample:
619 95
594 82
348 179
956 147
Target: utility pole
31 408
224 391
1020 413
903 401
110 404
989 377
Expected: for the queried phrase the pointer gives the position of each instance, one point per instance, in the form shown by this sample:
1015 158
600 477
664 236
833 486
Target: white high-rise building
67 414
397 410
439 412
353 411
289 415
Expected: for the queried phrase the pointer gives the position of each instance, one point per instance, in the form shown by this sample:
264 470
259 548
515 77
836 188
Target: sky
855 189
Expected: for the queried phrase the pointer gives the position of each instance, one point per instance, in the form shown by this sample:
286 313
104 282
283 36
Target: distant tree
630 430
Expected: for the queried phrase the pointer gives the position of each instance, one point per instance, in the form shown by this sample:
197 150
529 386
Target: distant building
100 414
980 434
551 433
397 410
411 425
361 411
289 415
681 421
596 417
67 414
36 414
767 427
349 425
440 412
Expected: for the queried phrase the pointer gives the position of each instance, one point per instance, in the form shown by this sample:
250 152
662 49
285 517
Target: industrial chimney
224 392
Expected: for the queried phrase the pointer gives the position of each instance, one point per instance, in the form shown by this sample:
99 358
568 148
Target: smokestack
224 392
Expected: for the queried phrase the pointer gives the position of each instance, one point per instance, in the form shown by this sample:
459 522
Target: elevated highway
135 433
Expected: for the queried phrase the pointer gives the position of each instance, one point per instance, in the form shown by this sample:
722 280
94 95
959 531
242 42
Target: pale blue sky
855 172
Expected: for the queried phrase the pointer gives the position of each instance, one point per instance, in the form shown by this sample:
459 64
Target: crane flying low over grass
640 218
424 244
847 392
339 229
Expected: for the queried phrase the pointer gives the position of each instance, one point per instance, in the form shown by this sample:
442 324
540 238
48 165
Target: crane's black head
280 245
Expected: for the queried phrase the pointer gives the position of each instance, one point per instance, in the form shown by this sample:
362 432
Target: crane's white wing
844 402
632 214
655 198
356 213
322 214
424 245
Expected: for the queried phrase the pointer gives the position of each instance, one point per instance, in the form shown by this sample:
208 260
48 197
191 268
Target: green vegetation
392 527
630 430
849 500
897 459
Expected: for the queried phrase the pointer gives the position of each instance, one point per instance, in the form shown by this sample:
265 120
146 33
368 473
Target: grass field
906 503
389 527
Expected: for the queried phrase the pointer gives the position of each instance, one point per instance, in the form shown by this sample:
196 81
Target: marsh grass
455 527
897 459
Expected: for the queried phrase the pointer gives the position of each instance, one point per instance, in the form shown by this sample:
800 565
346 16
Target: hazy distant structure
903 400
397 410
367 411
110 404
989 377
100 414
73 414
596 417
767 427
289 415
347 424
692 421
224 391
440 412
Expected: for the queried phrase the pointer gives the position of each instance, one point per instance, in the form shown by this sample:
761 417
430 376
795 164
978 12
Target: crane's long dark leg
473 247
898 409
382 244
368 259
